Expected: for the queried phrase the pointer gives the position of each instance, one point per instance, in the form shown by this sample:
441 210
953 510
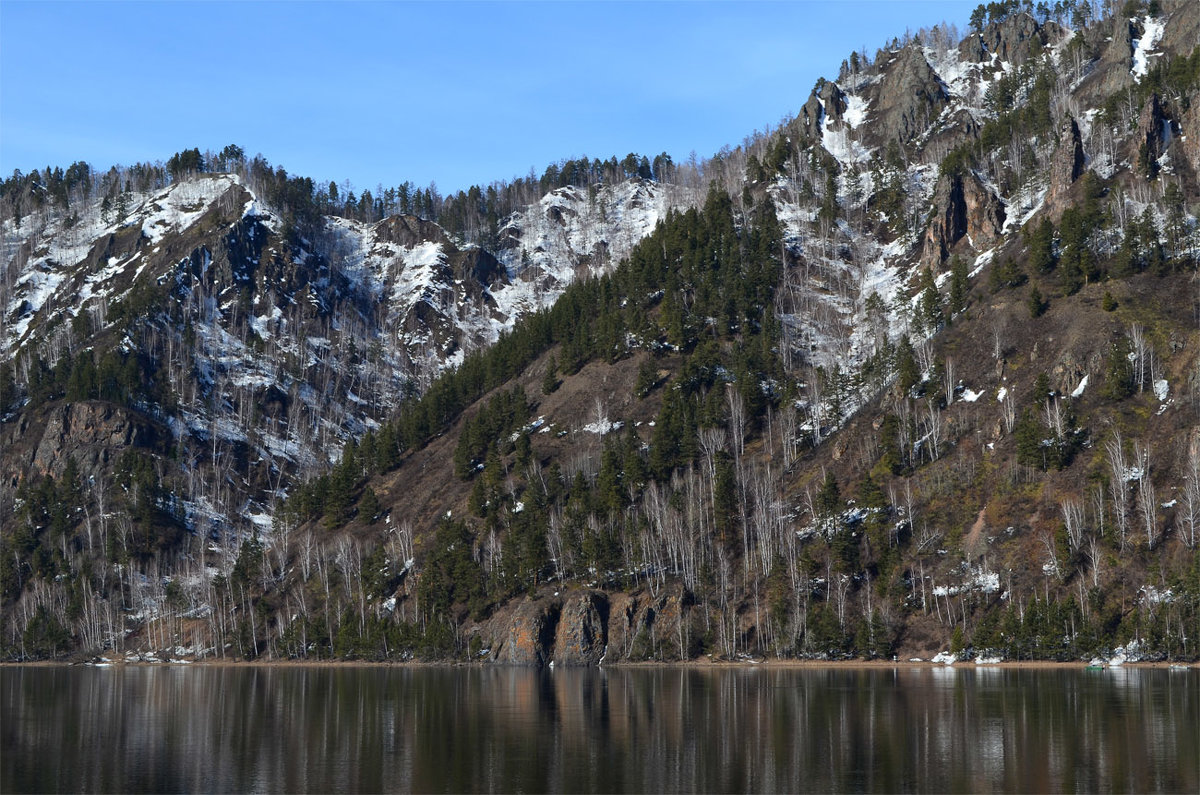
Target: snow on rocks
602 426
181 204
543 246
970 396
1143 47
50 276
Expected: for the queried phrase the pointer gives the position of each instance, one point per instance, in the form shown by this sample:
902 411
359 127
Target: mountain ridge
805 333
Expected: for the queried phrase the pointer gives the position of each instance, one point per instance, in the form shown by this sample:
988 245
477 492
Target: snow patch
602 426
1143 48
856 111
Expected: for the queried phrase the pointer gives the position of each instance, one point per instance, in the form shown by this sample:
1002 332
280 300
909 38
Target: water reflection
220 729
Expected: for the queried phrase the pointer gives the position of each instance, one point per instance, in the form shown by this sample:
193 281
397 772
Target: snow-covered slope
57 262
276 350
574 232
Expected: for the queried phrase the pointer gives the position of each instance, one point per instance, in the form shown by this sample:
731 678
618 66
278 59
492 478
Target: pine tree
550 380
1118 372
1041 247
931 302
908 373
368 506
958 286
829 498
1037 305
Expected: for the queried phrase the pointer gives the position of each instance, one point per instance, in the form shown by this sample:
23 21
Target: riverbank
696 664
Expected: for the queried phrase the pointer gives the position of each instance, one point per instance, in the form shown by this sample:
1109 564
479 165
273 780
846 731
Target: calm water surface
361 729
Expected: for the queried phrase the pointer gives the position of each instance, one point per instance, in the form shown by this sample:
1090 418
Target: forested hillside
916 372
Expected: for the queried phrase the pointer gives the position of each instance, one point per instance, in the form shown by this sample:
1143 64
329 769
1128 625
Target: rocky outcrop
911 96
644 626
119 244
1068 163
1190 143
1181 33
589 627
530 634
582 630
92 432
474 266
1016 39
408 231
1116 58
963 207
1152 138
826 105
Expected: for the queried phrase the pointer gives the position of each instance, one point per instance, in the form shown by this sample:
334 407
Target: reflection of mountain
662 730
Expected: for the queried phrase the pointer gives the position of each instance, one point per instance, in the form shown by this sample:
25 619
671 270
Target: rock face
910 96
964 207
827 102
1182 30
1068 162
1191 143
1116 58
588 627
582 630
1151 139
474 266
530 635
92 432
1015 40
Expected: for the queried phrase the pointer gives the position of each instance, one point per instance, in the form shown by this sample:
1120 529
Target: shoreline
698 664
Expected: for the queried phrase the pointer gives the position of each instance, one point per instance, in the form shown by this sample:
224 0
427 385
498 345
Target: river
665 729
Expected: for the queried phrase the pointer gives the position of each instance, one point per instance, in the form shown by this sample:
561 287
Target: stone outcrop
474 266
911 96
826 103
1016 39
582 630
1116 59
1151 139
963 207
588 627
1068 161
408 231
1181 33
530 634
1190 143
95 433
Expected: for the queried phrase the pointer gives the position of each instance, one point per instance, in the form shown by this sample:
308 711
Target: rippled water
365 729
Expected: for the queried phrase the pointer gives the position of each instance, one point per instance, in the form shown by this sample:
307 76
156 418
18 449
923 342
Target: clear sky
453 92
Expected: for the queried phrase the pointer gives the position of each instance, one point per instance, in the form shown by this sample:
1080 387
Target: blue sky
452 92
